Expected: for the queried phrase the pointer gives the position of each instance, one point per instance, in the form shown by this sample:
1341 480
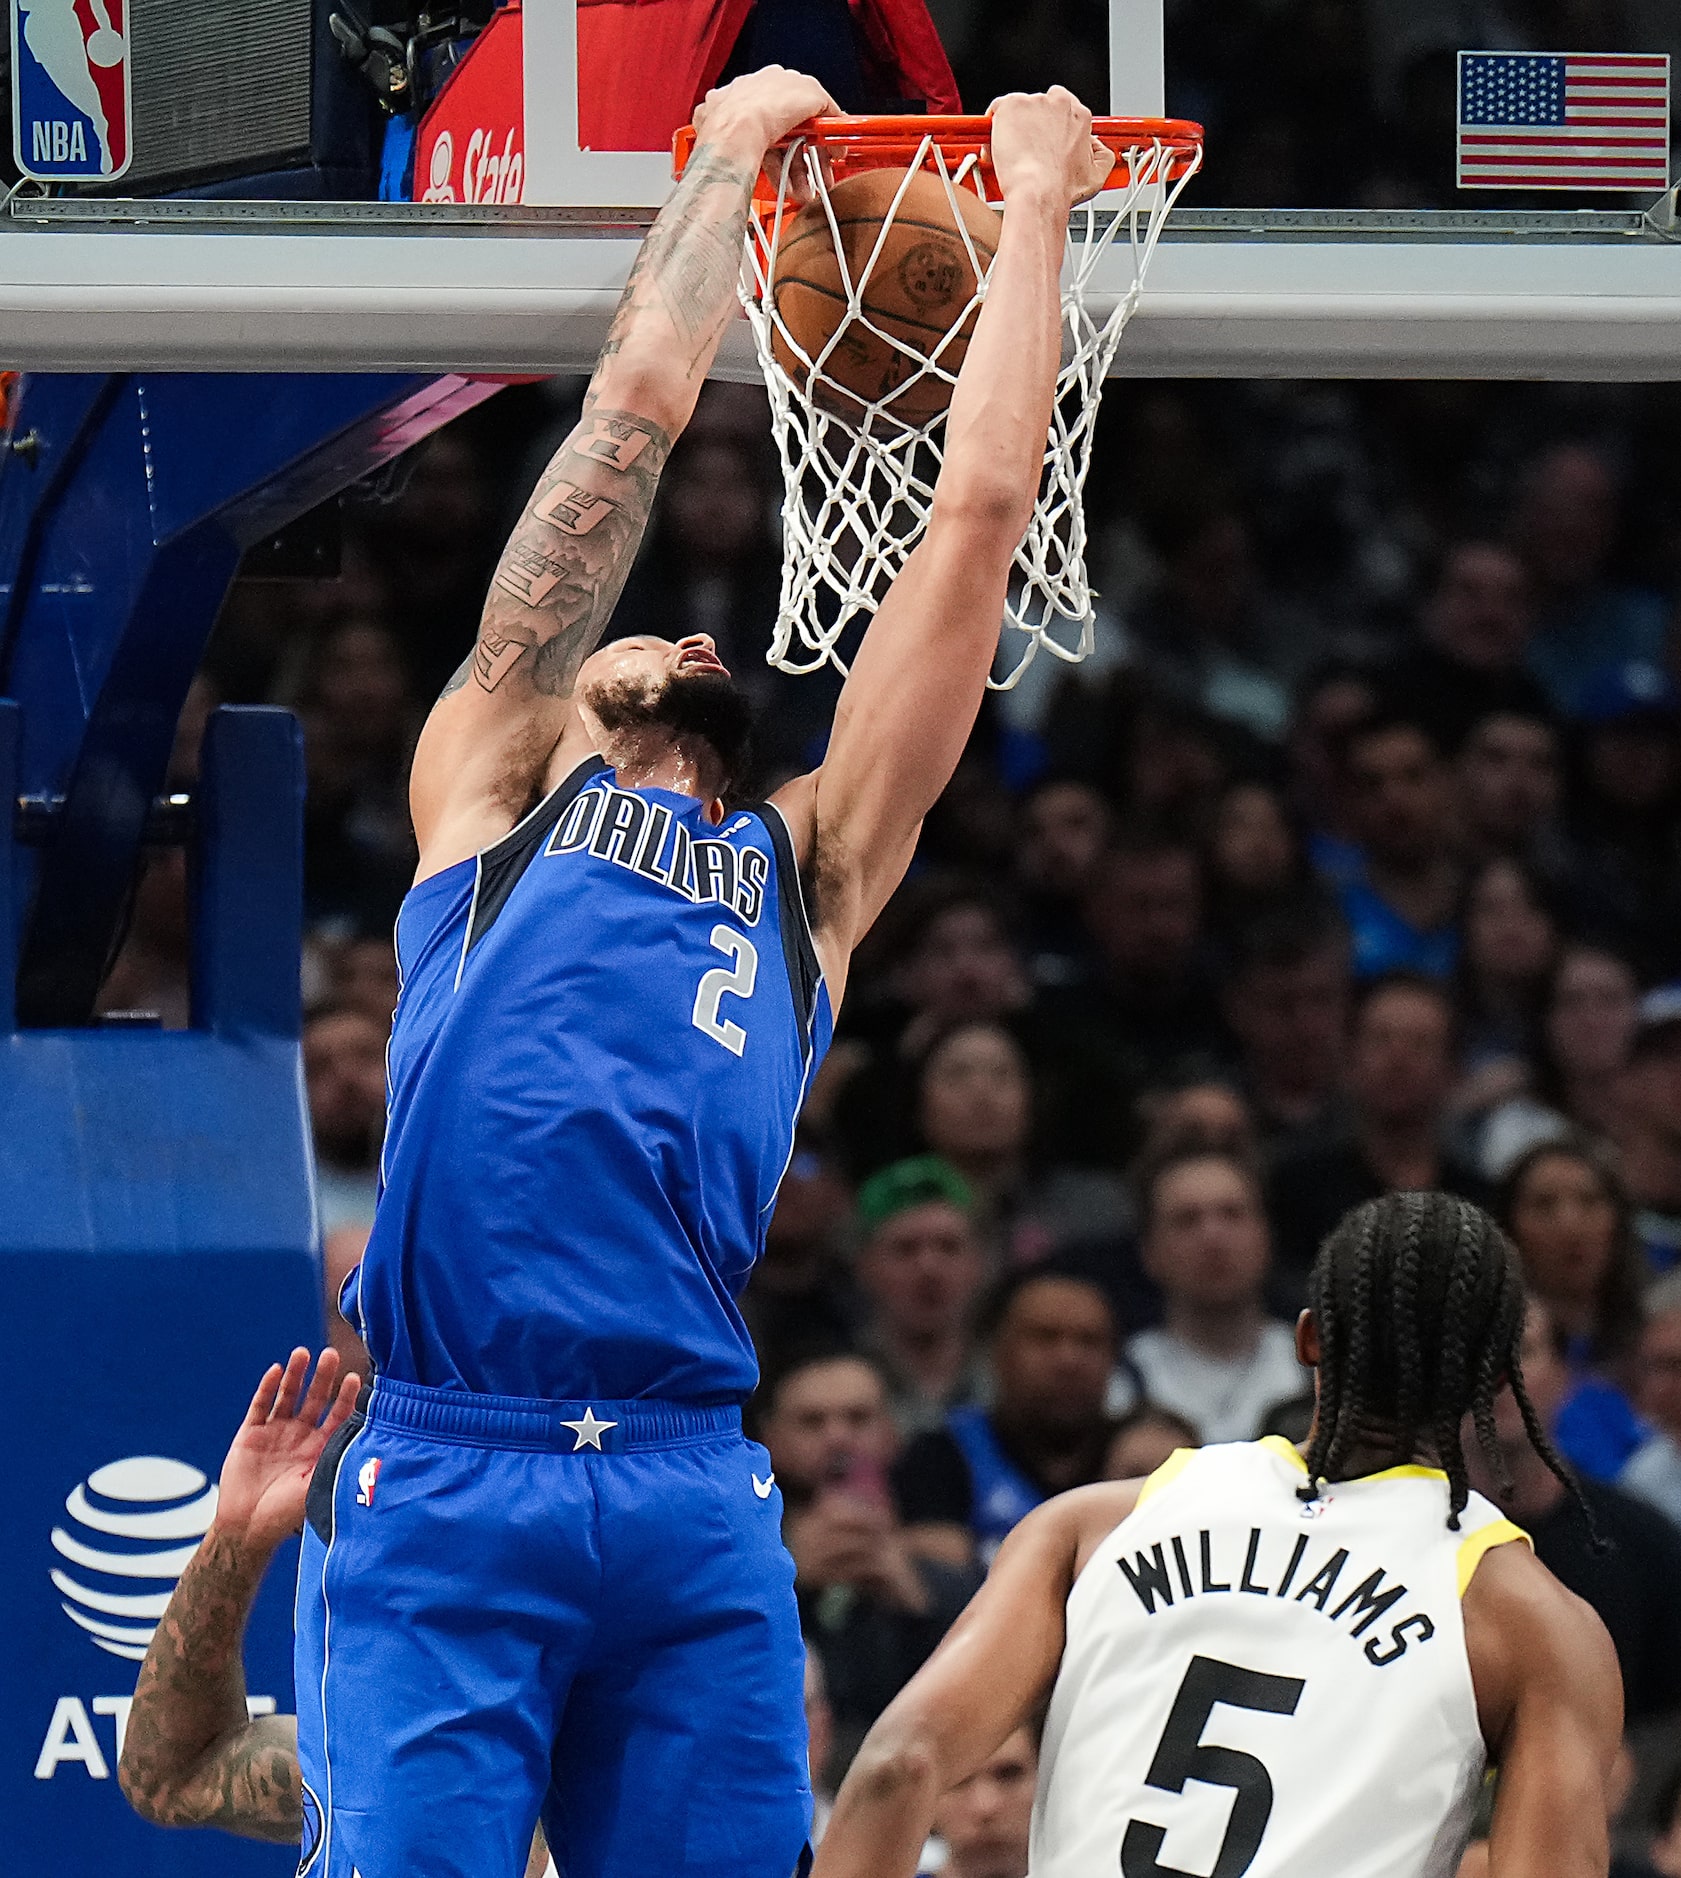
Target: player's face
648 663
679 686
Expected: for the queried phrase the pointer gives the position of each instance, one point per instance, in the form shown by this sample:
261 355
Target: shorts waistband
510 1421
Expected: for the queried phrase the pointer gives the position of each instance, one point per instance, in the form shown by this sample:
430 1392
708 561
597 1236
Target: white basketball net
857 489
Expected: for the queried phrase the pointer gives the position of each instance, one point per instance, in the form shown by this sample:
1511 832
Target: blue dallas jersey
607 1024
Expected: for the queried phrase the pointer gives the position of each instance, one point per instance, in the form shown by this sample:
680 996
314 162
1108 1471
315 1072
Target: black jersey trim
805 973
503 862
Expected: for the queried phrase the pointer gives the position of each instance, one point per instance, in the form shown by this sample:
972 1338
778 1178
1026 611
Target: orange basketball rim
850 145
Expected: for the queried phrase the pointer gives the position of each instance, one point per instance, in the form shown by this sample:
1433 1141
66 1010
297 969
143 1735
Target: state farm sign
471 146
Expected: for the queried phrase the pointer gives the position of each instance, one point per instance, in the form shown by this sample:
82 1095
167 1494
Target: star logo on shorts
589 1431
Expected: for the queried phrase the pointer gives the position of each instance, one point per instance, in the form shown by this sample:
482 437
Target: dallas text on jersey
1150 1576
627 829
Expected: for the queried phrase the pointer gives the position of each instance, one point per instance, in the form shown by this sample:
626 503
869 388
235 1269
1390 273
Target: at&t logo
133 1526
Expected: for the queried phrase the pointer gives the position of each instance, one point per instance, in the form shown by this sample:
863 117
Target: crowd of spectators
1352 863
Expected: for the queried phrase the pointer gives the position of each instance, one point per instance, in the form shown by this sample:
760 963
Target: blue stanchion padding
157 1251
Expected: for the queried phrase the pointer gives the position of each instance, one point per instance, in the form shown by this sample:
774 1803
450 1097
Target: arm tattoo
191 1756
562 572
692 257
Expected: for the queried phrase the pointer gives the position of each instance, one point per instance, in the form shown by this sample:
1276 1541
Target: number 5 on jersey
736 978
1183 1755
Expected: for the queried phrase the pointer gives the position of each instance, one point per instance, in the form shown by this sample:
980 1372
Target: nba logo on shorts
367 1478
70 89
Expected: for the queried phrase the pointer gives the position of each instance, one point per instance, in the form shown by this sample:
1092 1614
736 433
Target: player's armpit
992 1671
1550 1698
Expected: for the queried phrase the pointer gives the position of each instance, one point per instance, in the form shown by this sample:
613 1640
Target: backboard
1327 235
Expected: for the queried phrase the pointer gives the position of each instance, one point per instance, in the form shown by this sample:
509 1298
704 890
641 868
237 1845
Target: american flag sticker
1564 120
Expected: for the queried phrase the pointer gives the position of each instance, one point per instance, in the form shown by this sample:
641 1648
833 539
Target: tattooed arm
190 1755
491 737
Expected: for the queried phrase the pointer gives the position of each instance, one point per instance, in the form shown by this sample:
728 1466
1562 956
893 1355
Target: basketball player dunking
1261 1664
544 1570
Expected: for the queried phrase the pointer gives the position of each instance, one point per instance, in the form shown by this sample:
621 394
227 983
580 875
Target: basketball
920 286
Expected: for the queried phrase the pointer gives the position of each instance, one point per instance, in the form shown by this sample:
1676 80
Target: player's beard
710 706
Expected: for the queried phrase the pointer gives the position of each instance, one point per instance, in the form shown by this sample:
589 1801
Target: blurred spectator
359 724
959 962
1255 862
1287 1000
920 1270
1509 942
1572 1224
344 1074
1650 1142
1065 827
1205 1113
1468 664
871 1607
1332 703
1218 1360
801 1289
1212 635
1566 524
1631 1581
1589 1012
1144 1441
983 1822
1653 1472
1400 1074
1400 906
1509 786
1626 813
1152 1007
975 1110
1052 1340
364 972
433 542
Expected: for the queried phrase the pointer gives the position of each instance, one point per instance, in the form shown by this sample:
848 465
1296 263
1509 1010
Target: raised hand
265 1478
1042 141
762 106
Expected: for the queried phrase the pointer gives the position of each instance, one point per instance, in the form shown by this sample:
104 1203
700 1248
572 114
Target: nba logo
70 89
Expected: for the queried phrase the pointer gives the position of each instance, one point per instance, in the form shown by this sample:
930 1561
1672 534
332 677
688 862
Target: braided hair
1420 1304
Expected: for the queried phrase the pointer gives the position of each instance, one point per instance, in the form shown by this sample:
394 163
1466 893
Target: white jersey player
1260 1664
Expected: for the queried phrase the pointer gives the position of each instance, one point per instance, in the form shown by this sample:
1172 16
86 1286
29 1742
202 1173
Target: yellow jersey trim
1170 1470
1412 1471
1279 1445
1485 1539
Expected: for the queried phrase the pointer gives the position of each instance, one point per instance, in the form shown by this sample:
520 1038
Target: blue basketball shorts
586 1610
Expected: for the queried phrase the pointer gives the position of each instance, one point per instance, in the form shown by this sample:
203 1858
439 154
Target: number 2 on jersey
736 978
1183 1755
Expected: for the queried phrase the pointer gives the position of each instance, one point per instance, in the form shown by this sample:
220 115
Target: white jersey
1254 1687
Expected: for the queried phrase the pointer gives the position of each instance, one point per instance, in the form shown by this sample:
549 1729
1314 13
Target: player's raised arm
490 736
191 1756
909 705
